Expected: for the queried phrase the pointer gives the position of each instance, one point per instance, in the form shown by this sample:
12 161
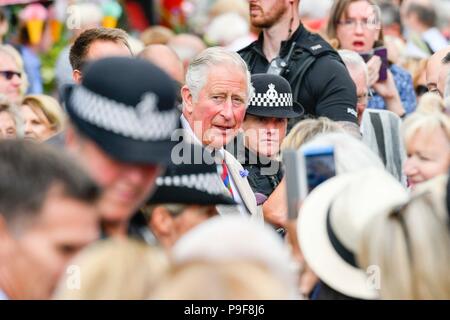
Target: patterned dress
403 82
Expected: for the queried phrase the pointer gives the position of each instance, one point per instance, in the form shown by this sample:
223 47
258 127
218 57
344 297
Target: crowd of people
156 168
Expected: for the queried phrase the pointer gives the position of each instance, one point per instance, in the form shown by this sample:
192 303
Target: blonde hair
307 129
50 107
156 35
15 55
430 102
116 269
411 246
232 280
425 121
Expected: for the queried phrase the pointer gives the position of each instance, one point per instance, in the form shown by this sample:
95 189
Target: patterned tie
226 177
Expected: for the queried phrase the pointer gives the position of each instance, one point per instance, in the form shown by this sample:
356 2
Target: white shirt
236 196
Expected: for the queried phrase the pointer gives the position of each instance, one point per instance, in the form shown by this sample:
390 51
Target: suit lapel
244 189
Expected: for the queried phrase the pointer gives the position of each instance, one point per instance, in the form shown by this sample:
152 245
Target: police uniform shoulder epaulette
316 45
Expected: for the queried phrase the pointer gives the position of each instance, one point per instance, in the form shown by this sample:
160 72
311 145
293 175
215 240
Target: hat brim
187 196
120 147
317 248
277 112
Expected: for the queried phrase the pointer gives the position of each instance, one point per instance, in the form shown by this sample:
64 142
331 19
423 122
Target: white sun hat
331 221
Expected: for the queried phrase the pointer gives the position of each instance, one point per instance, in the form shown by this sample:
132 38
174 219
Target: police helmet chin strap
291 21
278 65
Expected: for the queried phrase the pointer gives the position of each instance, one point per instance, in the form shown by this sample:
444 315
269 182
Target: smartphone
319 164
382 53
296 189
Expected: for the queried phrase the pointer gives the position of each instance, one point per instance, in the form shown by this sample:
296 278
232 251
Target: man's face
217 113
191 217
263 135
359 78
125 186
443 73
266 13
63 227
435 70
7 125
10 83
101 49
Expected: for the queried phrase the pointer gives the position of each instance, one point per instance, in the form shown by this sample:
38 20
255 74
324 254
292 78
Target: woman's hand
373 66
389 92
275 207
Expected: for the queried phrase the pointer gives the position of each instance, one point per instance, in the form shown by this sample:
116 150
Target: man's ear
187 100
77 76
70 137
161 222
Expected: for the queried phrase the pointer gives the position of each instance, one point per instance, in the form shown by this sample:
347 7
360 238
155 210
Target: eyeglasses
8 74
365 23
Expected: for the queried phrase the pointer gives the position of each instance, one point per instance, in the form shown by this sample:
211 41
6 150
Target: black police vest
309 47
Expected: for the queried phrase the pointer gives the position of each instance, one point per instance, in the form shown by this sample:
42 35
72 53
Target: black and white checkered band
144 122
204 182
278 100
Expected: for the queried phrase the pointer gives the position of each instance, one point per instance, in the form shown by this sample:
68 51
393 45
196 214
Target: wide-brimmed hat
127 107
273 98
331 223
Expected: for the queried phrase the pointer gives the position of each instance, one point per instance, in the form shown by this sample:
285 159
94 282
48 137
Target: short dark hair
446 59
29 170
425 14
80 48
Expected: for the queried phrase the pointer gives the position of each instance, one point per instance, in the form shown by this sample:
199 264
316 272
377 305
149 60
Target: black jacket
318 77
264 174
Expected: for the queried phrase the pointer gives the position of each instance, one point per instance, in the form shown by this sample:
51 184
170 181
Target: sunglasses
10 74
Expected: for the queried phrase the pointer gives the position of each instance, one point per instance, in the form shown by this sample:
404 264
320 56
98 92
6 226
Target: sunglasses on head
10 74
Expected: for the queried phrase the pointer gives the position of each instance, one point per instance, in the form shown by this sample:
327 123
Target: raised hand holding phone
306 169
388 90
373 66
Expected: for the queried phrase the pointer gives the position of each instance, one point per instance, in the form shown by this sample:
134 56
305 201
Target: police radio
278 65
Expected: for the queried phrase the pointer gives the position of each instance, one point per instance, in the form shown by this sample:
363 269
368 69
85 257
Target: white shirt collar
186 126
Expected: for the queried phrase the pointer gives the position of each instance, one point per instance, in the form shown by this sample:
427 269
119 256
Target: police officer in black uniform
264 128
318 77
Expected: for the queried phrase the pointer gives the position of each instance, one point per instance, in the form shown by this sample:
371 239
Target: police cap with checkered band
273 98
191 182
127 107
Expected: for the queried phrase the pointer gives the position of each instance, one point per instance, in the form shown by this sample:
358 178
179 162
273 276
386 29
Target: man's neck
279 32
116 229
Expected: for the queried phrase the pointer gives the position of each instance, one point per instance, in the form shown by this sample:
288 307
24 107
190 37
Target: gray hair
353 61
198 69
447 92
